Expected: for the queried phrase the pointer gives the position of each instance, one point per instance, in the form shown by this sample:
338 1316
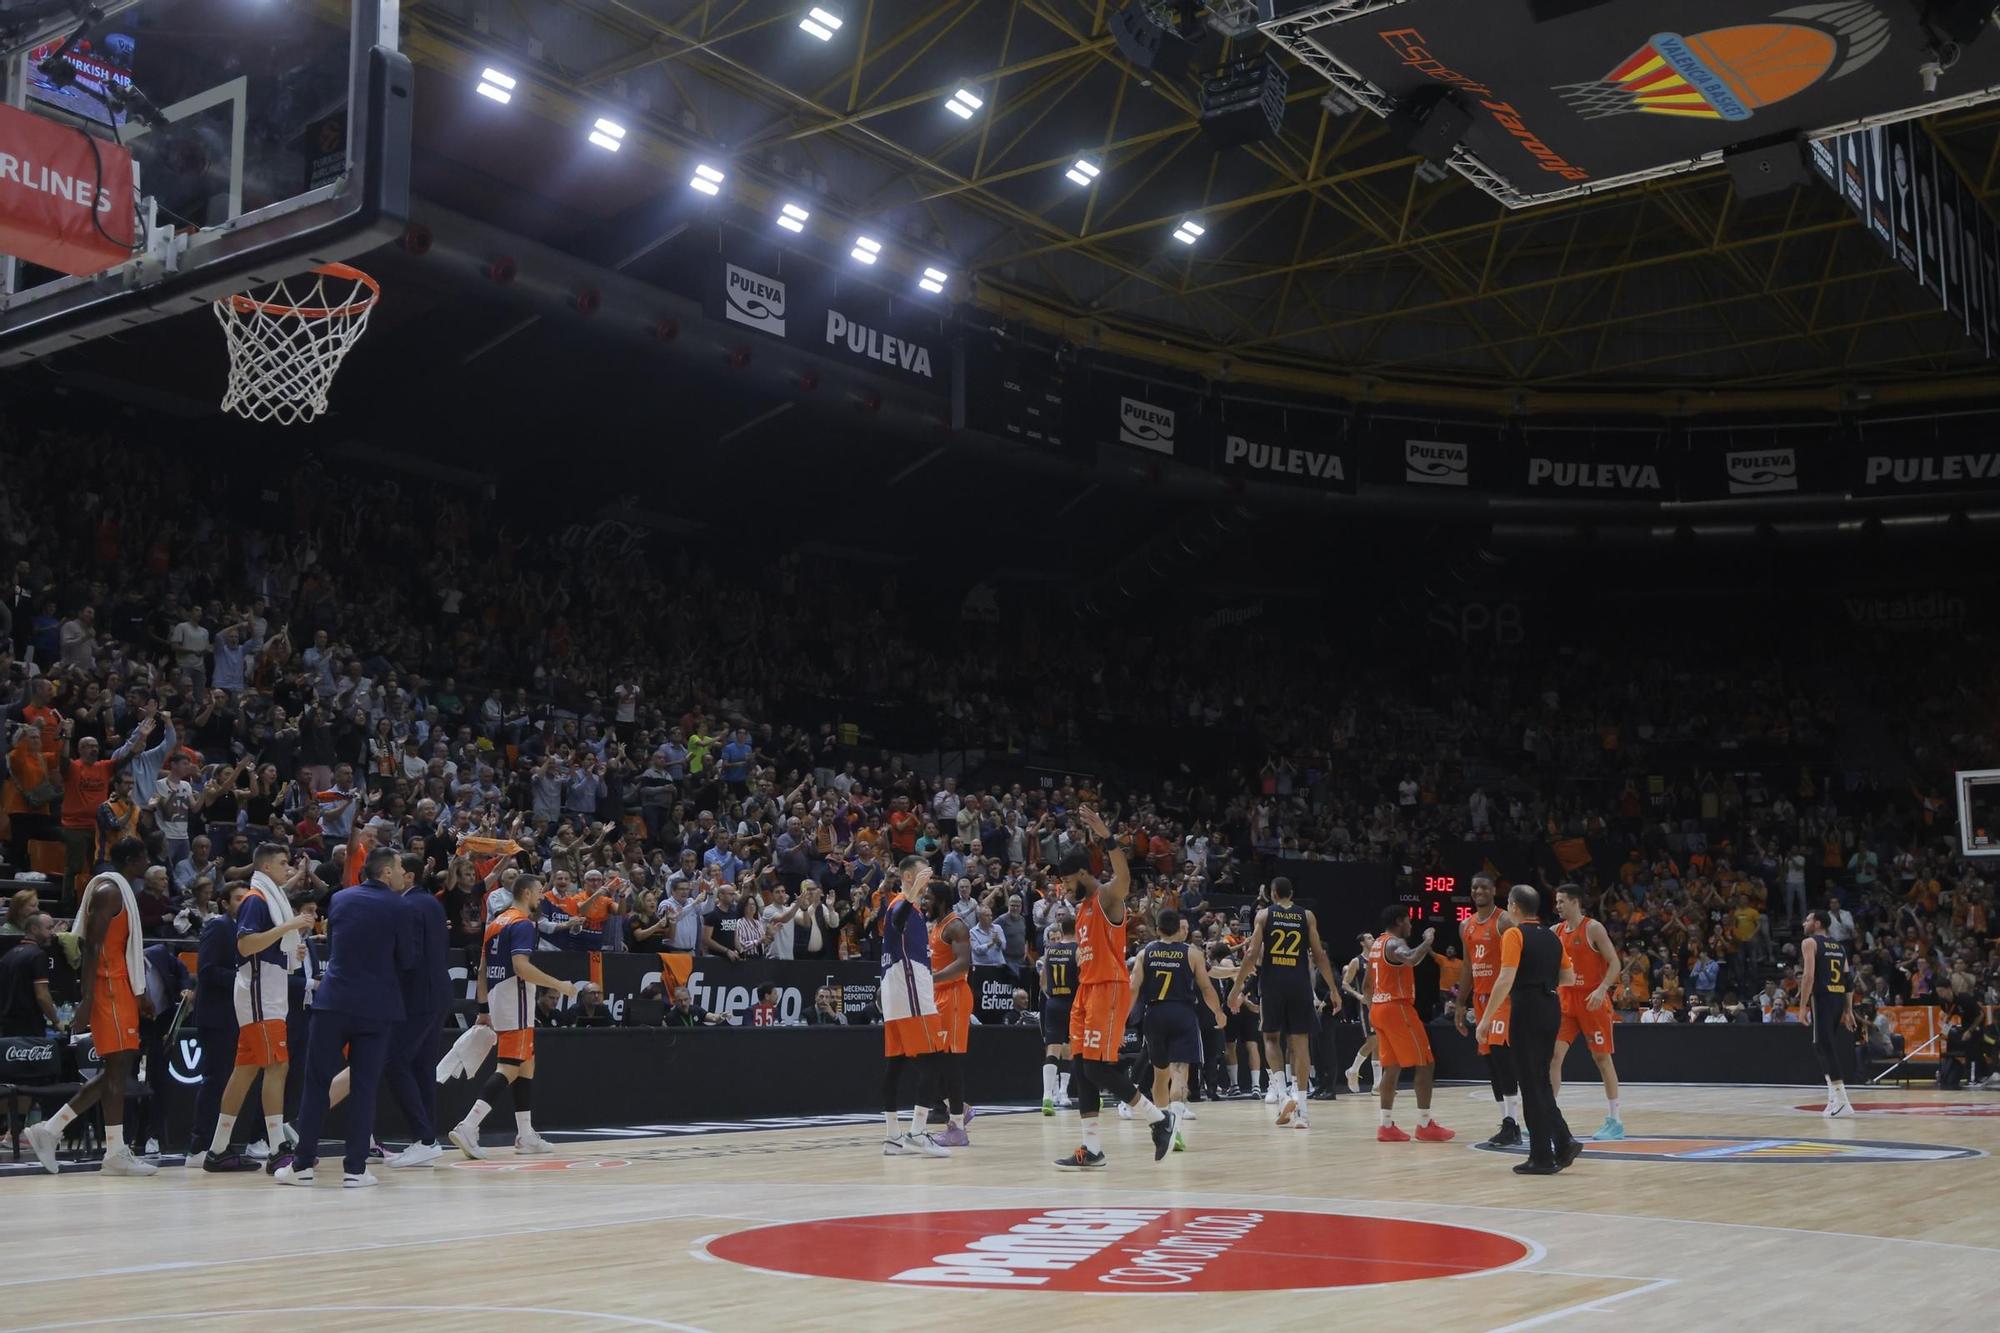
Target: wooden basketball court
1726 1208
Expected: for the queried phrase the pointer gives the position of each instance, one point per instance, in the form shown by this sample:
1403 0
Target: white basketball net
285 347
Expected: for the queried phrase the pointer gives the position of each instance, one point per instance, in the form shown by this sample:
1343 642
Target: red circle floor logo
1917 1108
1121 1249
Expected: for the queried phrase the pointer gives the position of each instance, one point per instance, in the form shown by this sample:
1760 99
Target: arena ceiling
1327 264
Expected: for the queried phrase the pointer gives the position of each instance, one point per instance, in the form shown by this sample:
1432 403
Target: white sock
892 1124
1376 1066
1388 1116
920 1119
1090 1135
1048 1080
1062 1087
1146 1111
1839 1092
60 1120
477 1115
1355 1068
1423 1116
957 1121
274 1131
524 1122
1514 1109
1611 1107
225 1126
1179 1108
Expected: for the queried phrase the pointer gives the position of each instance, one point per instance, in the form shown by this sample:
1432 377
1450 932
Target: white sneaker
1181 1112
1124 1111
119 1161
362 1181
897 1145
291 1137
44 1139
257 1152
293 1175
1844 1111
1288 1108
532 1144
1275 1093
1354 1078
928 1145
195 1160
417 1154
152 1148
465 1136
1299 1120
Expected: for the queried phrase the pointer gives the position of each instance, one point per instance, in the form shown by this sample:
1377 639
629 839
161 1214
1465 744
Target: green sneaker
1048 1106
1180 1144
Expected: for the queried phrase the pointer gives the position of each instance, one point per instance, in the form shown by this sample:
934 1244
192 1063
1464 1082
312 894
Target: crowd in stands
339 660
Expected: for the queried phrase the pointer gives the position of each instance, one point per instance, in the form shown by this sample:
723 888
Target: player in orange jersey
1480 934
114 999
1586 1006
1392 1009
1103 996
951 982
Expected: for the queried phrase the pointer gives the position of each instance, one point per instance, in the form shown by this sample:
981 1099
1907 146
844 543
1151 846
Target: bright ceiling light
1084 172
820 23
866 248
933 280
793 218
706 179
963 103
498 86
607 134
1189 232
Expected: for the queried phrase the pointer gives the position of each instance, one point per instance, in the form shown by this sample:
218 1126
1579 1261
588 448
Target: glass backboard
269 136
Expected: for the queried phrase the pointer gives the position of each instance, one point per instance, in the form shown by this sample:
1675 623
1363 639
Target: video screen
100 63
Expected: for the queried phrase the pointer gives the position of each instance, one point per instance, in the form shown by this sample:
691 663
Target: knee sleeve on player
495 1089
524 1095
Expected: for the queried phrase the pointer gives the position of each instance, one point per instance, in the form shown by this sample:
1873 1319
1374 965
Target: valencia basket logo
755 300
1731 73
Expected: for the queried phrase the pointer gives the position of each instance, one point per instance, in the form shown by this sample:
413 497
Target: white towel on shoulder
135 944
281 915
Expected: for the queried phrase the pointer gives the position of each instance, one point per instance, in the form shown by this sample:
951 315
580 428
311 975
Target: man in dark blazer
216 961
167 982
413 1058
371 938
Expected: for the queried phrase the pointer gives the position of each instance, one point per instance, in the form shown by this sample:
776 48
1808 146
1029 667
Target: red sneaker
1435 1133
1390 1134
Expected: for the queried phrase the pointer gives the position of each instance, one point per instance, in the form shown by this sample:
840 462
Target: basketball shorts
911 1024
1593 1025
1405 1044
1055 1023
516 1046
1832 1043
261 1045
1241 1026
1288 1008
1173 1036
1097 1020
954 1002
114 1018
1497 1034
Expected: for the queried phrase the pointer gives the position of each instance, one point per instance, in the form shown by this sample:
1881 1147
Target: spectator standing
190 641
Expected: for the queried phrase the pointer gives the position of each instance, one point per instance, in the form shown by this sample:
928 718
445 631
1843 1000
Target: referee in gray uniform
1531 967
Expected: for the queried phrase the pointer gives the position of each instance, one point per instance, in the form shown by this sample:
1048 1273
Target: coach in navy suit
371 940
413 1057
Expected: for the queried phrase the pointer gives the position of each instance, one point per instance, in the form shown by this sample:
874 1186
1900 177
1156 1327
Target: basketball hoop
284 349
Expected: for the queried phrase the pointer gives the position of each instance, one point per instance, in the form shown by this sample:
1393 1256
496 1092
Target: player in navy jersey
1284 950
506 989
1168 975
1828 991
1057 969
913 1031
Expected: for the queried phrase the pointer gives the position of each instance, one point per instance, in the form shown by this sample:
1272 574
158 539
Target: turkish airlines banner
66 200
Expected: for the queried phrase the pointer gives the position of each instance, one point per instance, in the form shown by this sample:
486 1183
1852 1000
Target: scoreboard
1439 898
1009 389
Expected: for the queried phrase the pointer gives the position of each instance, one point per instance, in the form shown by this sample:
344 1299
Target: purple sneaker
954 1136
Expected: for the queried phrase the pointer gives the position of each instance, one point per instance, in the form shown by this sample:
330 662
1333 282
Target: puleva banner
810 309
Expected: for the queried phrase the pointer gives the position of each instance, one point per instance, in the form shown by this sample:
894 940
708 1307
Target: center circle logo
1122 1250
